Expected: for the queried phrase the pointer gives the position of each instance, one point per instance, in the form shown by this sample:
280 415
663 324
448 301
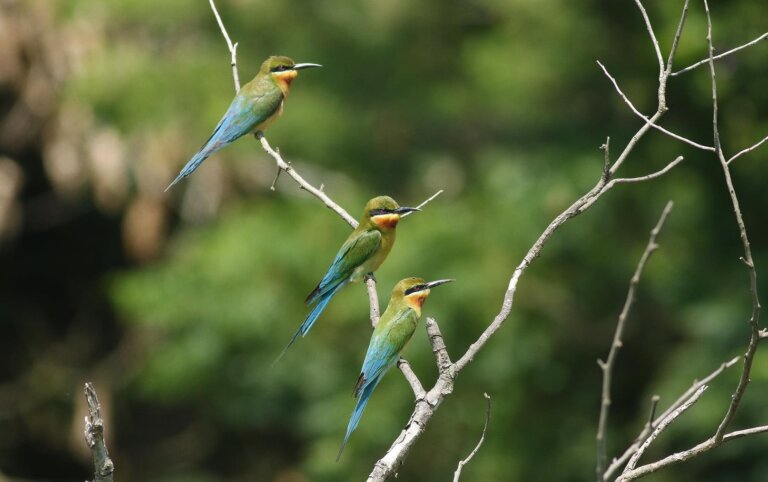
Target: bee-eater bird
253 109
362 253
392 333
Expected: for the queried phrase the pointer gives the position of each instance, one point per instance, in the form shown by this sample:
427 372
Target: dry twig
462 463
607 365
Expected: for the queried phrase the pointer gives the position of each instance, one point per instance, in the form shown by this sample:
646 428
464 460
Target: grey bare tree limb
373 299
411 378
607 365
438 345
94 437
462 463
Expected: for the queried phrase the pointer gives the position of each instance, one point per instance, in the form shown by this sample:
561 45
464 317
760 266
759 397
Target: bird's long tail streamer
312 317
358 411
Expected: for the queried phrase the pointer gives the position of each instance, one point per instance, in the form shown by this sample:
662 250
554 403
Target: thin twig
650 121
620 461
232 47
652 413
652 35
744 433
607 365
685 455
660 428
303 184
94 437
462 463
427 201
647 177
748 149
724 54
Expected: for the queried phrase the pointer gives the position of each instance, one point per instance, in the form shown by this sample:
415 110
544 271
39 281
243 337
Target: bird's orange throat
416 300
284 79
386 221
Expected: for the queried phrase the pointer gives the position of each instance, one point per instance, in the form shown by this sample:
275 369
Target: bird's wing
353 253
383 352
244 113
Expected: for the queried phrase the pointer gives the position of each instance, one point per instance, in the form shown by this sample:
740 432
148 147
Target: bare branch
755 335
607 366
94 437
647 177
438 345
427 201
653 37
678 457
748 149
410 376
661 107
232 48
675 42
744 433
462 463
620 461
660 428
650 121
373 299
303 184
724 54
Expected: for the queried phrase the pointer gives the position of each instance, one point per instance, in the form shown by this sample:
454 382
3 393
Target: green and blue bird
253 109
392 333
362 253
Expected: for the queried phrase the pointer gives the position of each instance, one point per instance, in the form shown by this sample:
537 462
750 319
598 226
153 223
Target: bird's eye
280 68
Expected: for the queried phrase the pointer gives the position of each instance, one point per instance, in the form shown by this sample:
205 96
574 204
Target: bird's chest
271 118
374 261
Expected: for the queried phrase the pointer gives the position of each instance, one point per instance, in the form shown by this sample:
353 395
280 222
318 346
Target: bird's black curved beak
439 282
404 210
305 66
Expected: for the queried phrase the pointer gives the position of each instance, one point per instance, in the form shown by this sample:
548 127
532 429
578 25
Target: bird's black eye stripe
280 68
377 212
414 289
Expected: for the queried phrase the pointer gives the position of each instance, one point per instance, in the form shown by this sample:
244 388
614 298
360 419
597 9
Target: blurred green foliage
502 105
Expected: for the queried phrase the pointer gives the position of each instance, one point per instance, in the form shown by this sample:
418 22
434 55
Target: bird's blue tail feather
365 395
313 315
213 144
190 167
